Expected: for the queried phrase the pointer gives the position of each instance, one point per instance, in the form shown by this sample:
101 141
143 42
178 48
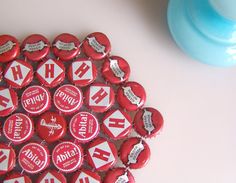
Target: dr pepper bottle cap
51 126
33 158
51 176
16 177
102 154
135 153
96 46
131 96
148 122
68 99
18 74
99 97
115 70
67 157
9 48
84 176
8 101
36 100
7 158
119 175
84 127
35 47
66 46
18 128
50 73
82 72
117 124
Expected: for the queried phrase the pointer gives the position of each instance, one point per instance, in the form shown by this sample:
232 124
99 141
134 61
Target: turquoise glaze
205 29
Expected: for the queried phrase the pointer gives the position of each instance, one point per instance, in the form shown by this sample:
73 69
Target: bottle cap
33 158
51 126
7 158
119 175
135 153
18 128
68 99
148 122
117 124
96 46
36 100
82 72
50 73
99 97
51 176
86 176
131 96
35 47
84 127
18 74
67 157
9 48
8 101
16 177
115 70
102 154
66 46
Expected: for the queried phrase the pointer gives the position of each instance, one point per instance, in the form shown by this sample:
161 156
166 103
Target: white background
198 143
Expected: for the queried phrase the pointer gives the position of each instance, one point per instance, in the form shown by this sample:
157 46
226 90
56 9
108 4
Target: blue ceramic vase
205 29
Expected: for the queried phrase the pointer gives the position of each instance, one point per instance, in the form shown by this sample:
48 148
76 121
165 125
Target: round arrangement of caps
86 112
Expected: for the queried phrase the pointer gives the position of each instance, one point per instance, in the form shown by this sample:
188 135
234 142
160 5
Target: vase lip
225 8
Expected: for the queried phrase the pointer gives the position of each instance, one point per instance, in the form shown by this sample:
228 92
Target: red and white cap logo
117 124
84 127
51 73
82 72
16 180
35 99
51 176
18 128
8 101
33 158
68 99
86 176
7 159
18 74
102 154
67 157
100 97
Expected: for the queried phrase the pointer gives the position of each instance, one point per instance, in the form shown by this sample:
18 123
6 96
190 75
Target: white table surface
198 143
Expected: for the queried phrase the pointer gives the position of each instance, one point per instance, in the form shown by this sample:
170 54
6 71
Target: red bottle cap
18 128
101 154
51 127
9 48
18 74
99 97
119 175
1 72
67 157
51 176
7 158
131 96
82 72
8 101
148 122
68 99
66 46
135 153
117 124
86 176
36 100
33 158
96 46
35 47
115 70
84 127
50 73
17 178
